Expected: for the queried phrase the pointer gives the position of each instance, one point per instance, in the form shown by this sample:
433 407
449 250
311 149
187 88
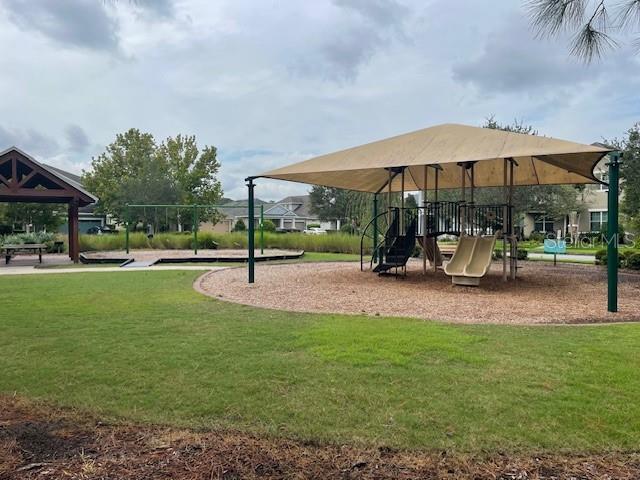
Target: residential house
289 214
591 216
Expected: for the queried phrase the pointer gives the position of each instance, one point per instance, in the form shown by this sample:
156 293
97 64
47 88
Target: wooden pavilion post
74 241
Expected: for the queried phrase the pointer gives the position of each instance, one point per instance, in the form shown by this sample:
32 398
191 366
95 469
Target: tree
329 203
630 174
410 201
41 216
193 171
134 170
590 22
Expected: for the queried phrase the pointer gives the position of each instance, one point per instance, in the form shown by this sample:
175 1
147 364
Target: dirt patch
542 293
42 443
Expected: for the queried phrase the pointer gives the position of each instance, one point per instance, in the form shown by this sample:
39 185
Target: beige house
591 217
289 214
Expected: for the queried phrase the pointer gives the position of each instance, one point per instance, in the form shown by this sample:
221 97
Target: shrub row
628 258
336 243
35 237
520 255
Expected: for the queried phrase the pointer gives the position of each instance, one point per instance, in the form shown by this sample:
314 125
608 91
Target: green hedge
627 258
336 243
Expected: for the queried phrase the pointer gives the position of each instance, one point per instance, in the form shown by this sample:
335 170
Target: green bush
268 226
633 261
34 237
313 225
537 237
627 258
240 226
520 255
601 256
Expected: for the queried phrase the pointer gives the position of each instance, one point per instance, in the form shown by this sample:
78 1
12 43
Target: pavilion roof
540 160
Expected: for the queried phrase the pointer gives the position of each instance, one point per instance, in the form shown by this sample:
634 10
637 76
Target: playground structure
195 209
456 154
403 227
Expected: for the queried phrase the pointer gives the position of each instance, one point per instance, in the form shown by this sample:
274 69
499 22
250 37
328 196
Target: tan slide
461 257
480 260
477 262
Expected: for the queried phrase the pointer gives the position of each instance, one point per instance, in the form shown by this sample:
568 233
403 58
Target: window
598 221
543 224
604 176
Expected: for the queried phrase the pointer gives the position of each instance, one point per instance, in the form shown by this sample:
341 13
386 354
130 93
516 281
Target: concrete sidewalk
30 270
563 257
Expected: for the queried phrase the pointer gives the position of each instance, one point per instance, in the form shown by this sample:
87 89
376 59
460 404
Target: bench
10 250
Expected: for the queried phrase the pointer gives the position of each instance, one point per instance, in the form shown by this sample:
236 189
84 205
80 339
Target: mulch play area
37 442
542 293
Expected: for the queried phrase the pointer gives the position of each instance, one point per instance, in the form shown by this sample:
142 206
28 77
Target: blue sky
273 82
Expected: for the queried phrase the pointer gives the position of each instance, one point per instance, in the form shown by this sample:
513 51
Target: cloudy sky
270 82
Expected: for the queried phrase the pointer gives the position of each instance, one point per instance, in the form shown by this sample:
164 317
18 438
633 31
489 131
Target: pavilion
452 156
23 179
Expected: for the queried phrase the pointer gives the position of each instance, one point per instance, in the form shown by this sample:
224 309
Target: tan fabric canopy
540 160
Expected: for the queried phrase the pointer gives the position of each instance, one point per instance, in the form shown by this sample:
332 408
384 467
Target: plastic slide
477 263
461 257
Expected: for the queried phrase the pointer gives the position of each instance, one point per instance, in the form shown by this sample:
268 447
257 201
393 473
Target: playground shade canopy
540 161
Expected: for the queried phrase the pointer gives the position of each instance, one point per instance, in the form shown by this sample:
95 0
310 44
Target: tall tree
329 203
134 170
630 174
591 23
193 170
40 216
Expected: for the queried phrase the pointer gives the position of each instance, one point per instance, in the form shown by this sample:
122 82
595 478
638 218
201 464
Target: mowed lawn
144 346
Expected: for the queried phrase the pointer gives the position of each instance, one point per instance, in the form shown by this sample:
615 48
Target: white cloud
289 79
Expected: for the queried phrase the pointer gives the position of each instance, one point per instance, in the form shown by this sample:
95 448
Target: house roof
292 206
540 160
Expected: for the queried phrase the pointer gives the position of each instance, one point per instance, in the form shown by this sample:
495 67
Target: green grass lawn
144 346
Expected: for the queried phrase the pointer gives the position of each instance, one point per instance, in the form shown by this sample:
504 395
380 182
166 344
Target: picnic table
10 250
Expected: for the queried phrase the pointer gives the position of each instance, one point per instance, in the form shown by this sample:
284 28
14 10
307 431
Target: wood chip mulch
37 442
542 293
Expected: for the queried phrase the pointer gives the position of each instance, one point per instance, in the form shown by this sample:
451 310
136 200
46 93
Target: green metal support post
250 248
196 221
262 229
375 227
612 232
126 228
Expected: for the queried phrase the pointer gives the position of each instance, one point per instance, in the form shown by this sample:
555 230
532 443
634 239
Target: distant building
591 216
289 214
